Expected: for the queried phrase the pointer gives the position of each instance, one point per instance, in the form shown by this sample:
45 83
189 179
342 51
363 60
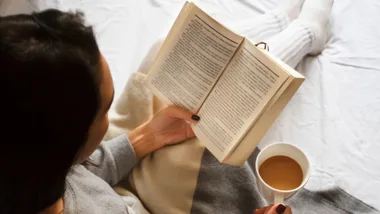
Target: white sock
292 44
315 14
261 27
271 23
305 35
292 8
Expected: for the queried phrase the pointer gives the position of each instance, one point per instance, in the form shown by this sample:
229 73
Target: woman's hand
169 126
172 125
274 209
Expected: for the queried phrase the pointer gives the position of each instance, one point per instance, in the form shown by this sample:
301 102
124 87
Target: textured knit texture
292 44
262 27
89 190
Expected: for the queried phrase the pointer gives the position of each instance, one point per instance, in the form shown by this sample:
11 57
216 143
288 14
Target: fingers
262 210
179 113
195 117
279 209
288 210
190 132
274 209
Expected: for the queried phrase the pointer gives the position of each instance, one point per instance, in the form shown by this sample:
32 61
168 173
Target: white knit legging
289 41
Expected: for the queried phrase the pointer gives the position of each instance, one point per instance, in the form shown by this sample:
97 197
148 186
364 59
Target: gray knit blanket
227 189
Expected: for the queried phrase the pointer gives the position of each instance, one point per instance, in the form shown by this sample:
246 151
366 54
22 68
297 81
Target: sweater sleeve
113 160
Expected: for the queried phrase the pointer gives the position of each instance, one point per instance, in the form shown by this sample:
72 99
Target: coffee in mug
281 172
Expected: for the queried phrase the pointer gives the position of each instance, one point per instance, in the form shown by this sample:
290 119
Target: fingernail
195 117
280 209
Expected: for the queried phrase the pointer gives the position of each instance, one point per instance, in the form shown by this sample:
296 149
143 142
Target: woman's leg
305 35
271 23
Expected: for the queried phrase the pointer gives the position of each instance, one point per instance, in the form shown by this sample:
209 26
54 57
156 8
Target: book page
241 94
194 55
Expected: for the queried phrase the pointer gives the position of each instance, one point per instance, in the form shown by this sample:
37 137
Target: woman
56 90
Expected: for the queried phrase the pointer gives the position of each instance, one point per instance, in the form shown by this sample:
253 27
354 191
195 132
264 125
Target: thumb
279 209
175 112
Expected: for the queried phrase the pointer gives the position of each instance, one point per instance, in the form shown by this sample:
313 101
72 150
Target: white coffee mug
272 194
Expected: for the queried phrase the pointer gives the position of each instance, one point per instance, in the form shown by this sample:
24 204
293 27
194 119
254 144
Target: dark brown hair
49 97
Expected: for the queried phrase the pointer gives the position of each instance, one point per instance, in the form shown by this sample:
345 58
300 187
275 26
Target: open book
236 88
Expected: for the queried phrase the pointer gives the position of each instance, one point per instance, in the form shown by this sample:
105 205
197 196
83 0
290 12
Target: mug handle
278 198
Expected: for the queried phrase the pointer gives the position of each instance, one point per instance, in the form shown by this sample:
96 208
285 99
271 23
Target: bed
334 117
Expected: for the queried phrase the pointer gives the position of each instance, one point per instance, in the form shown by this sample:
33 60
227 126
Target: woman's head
55 92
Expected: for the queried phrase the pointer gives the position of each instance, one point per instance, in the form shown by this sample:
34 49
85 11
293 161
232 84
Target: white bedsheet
335 116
